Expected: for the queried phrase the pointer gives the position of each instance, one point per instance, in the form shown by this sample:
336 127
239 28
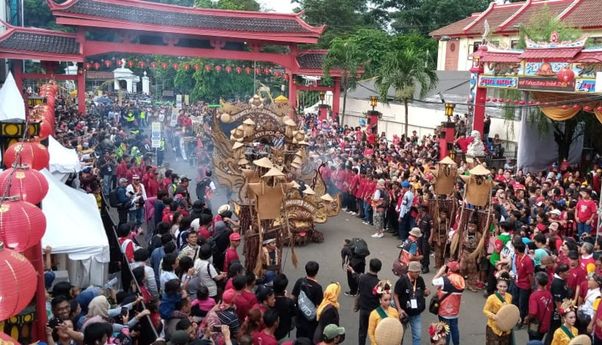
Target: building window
514 44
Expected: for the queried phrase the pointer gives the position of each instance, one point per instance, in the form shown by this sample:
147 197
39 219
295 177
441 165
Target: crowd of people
182 280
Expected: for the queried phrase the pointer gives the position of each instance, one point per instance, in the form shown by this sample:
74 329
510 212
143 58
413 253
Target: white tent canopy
75 228
63 161
12 105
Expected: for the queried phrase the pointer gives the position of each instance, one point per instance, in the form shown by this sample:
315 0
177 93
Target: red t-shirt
524 270
584 210
575 277
541 306
262 338
464 142
584 262
231 256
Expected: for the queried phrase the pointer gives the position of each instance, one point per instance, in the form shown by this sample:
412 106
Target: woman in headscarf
99 311
328 311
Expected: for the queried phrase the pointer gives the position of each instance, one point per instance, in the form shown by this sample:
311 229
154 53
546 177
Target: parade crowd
182 281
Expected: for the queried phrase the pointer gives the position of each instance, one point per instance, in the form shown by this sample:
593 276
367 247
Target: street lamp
373 102
322 96
449 110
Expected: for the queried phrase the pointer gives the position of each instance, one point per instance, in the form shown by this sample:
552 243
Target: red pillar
34 255
446 139
336 98
81 90
480 97
18 74
292 91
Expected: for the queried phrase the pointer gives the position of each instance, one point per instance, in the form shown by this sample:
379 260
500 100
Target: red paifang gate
140 27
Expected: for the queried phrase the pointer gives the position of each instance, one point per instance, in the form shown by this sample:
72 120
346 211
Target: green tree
188 3
240 5
403 70
424 16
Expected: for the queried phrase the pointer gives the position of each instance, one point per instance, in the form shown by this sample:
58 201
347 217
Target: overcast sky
282 6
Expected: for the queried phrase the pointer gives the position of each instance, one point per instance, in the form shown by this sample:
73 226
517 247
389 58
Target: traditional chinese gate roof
39 44
156 17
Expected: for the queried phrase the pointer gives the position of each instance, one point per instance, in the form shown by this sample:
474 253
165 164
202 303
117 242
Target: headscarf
331 297
99 306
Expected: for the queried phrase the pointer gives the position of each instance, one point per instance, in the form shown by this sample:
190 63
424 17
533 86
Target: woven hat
308 190
327 197
249 122
389 331
507 317
289 122
416 232
264 163
581 339
294 184
414 266
480 170
273 172
237 145
243 161
447 161
223 209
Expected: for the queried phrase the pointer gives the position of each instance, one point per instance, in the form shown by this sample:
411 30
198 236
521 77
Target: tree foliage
240 5
542 24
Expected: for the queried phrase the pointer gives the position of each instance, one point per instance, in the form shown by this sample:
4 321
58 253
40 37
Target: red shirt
575 277
524 271
541 307
231 256
584 210
262 338
584 262
464 142
204 232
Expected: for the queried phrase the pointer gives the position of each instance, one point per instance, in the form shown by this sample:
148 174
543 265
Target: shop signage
499 82
585 85
156 135
546 84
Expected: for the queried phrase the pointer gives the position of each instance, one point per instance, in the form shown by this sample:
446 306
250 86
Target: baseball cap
235 236
228 296
414 266
405 184
331 331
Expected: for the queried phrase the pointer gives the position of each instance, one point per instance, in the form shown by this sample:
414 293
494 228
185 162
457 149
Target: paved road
336 230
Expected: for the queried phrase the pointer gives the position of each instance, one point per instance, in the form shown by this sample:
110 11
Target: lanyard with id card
413 301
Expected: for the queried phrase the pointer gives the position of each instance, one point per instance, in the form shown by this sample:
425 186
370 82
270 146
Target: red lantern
258 71
266 71
566 75
488 99
32 153
153 65
107 63
18 283
228 69
516 102
238 69
576 107
522 102
208 68
186 67
141 64
218 68
22 224
588 108
25 182
196 67
248 70
164 65
494 100
565 107
46 129
508 100
277 74
175 66
130 63
87 65
286 76
96 65
599 109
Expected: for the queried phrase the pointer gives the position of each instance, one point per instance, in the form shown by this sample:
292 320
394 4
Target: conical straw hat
249 122
480 170
294 184
263 162
447 161
243 162
389 331
303 142
237 145
273 172
327 197
308 190
289 122
298 160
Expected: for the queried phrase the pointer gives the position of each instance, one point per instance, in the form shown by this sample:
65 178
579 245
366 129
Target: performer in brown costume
468 266
438 238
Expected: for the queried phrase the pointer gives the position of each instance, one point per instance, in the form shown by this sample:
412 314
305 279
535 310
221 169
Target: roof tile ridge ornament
523 8
569 9
481 16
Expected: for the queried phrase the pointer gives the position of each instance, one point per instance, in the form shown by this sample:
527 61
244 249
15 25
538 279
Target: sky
282 6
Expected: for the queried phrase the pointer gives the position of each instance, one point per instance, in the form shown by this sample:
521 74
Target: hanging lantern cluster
44 113
18 283
209 67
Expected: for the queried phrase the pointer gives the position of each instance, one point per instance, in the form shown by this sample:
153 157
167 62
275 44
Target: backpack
114 198
305 305
359 247
385 198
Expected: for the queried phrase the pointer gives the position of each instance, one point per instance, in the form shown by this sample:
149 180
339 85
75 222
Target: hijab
331 297
99 306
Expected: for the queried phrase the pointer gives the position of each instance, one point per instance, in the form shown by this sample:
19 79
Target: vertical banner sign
187 99
179 101
156 135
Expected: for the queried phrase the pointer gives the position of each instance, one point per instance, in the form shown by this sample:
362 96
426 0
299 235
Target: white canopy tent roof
12 105
62 159
74 225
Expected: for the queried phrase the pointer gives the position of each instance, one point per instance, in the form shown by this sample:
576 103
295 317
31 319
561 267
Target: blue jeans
583 228
106 184
404 226
367 212
416 326
135 216
454 330
520 298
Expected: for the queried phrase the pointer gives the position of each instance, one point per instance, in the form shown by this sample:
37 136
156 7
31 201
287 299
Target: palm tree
403 70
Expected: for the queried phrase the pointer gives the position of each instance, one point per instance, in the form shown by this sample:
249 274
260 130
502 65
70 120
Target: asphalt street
472 321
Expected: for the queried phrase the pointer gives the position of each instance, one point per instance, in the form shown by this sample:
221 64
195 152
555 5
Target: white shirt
129 190
588 304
